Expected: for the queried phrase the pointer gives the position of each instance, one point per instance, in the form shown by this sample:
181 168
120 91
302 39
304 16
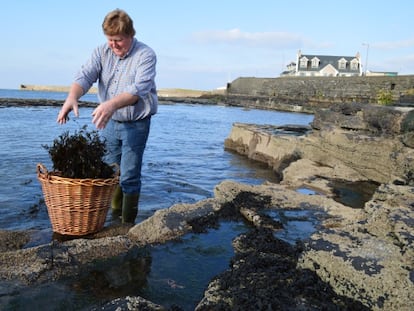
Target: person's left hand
102 114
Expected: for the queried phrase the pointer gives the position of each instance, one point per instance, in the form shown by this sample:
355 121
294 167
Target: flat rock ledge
356 258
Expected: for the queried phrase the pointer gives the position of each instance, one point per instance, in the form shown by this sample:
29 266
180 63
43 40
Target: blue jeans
125 144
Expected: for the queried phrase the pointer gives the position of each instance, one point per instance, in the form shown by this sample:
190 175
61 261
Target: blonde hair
118 22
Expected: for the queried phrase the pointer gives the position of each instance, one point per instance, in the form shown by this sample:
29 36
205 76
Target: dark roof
326 60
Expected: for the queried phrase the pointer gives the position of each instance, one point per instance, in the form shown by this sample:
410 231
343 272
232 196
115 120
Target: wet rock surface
264 276
10 241
366 256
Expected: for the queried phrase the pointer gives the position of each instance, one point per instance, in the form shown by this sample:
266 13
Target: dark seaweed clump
79 155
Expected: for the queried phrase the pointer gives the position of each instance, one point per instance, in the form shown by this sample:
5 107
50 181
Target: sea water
184 159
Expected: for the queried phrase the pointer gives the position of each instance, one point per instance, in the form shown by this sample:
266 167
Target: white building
324 66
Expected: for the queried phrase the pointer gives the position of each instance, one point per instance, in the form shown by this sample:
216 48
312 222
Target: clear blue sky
204 44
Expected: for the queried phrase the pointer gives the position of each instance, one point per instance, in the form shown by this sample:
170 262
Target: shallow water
184 159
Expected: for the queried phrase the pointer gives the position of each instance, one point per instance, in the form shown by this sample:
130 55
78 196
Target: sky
203 45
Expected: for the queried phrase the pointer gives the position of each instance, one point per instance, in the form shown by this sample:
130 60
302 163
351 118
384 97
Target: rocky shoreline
24 102
357 259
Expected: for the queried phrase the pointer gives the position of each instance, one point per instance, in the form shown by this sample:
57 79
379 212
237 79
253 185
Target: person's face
119 44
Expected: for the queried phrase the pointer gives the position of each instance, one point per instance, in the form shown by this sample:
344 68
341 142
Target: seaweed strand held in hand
79 155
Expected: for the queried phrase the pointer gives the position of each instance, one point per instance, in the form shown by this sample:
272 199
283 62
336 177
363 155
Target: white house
324 66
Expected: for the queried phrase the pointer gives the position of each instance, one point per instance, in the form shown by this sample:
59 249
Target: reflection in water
181 270
297 224
353 194
174 273
96 283
120 276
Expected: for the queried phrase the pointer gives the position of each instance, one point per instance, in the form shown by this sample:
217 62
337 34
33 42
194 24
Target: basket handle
41 169
117 169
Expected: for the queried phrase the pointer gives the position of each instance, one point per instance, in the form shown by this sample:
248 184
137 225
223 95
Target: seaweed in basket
79 155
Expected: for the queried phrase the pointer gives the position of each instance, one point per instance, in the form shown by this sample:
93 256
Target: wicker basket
76 206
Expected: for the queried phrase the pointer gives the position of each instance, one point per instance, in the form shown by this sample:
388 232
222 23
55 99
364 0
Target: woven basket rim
43 174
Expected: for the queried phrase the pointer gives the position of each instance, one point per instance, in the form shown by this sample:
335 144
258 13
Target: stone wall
323 90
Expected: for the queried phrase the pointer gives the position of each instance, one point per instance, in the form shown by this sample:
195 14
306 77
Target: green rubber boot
116 203
129 207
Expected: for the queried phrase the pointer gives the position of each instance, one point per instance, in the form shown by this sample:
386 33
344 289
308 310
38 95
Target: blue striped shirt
134 74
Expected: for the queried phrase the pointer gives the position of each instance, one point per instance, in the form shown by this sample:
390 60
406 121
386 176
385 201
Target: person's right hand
69 104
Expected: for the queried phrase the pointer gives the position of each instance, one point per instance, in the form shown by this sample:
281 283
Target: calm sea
184 159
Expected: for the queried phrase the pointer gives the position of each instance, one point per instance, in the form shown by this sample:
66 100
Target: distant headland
50 88
170 92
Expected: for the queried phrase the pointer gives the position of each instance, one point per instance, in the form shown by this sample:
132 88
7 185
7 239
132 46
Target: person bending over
125 70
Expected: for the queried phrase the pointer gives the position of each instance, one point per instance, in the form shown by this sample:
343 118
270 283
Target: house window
303 62
354 64
342 64
315 62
